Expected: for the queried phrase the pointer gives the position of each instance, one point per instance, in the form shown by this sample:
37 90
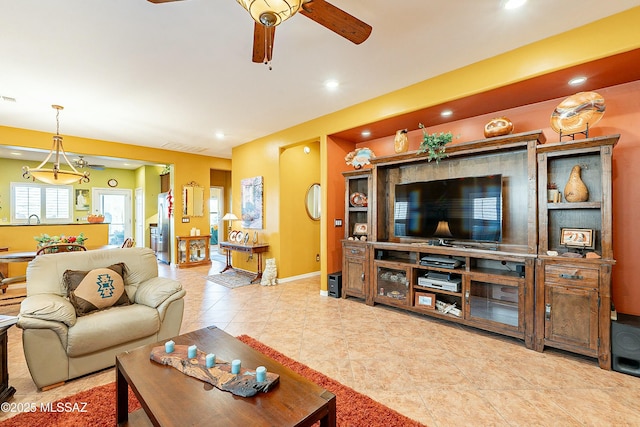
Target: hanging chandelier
55 175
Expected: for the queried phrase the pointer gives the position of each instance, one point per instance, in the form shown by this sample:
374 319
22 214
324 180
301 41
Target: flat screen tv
468 209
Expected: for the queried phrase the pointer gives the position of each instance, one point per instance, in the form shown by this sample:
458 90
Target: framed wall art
578 237
82 200
252 202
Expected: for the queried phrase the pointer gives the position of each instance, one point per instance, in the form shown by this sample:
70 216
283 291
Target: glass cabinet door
197 250
393 284
494 302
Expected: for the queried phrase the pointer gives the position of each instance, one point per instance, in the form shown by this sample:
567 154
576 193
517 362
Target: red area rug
353 409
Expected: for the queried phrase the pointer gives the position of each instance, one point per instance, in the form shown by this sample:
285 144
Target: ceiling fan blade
162 1
337 20
263 43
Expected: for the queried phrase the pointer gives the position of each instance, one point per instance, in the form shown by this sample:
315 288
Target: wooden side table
258 248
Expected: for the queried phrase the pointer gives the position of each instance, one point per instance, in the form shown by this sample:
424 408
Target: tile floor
439 373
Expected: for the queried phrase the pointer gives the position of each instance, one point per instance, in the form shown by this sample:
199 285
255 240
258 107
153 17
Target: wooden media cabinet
517 287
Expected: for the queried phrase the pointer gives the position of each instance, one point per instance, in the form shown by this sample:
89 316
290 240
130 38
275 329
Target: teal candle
235 366
169 347
191 351
210 360
261 374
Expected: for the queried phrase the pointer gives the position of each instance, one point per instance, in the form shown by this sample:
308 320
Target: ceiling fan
268 14
81 162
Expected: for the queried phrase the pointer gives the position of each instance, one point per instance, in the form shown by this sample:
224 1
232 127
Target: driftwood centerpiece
219 376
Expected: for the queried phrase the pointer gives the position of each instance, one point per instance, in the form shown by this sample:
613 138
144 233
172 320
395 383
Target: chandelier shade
271 12
55 175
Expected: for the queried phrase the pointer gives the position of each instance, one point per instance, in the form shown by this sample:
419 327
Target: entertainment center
474 239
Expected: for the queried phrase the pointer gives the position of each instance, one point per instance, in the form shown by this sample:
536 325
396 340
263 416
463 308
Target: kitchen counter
20 237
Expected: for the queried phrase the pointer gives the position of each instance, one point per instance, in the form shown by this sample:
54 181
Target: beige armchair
59 345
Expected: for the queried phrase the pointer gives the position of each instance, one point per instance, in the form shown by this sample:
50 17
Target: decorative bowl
95 219
577 112
498 127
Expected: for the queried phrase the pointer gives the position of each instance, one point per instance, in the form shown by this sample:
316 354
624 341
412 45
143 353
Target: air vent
174 146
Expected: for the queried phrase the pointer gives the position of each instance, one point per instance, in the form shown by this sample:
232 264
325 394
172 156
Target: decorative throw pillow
97 289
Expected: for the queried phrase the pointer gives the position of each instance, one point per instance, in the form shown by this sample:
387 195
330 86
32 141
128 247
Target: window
51 203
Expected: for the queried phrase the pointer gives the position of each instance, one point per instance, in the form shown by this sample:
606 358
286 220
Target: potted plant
434 144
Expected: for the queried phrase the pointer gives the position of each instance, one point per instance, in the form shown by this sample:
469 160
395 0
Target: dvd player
451 285
436 261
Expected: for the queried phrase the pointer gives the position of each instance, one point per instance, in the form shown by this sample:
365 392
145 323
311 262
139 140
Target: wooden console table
258 248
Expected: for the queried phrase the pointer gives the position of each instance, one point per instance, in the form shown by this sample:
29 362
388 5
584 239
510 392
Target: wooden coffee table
171 398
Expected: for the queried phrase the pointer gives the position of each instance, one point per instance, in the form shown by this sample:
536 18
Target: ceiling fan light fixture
271 12
55 175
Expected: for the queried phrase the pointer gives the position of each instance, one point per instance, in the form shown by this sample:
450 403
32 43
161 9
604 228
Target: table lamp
229 217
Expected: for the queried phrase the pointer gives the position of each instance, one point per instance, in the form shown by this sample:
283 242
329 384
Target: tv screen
468 208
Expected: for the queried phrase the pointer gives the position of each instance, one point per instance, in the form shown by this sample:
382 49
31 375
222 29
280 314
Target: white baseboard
301 276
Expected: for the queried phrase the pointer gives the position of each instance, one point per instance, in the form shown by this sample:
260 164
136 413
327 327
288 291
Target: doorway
216 207
115 205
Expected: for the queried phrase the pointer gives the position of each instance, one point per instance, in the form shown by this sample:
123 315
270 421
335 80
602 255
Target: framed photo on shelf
360 229
577 237
425 300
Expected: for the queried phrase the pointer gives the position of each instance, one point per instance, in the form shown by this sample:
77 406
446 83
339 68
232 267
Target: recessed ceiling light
366 133
446 113
577 80
331 84
307 150
513 4
220 135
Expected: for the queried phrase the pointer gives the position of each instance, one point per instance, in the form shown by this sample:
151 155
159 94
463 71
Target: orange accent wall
337 149
621 117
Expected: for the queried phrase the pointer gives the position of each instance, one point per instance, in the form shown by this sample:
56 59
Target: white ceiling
172 75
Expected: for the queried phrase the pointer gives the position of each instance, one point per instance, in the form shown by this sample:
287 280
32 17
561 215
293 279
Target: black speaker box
335 284
625 344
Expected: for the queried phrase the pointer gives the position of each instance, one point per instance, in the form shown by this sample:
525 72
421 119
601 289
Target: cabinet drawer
353 250
567 275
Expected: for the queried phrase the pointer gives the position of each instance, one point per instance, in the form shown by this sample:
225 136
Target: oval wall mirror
312 202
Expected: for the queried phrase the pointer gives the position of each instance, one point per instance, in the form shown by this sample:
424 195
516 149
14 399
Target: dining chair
60 247
128 243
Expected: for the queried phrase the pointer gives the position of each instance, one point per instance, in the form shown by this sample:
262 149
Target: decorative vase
498 127
401 142
575 190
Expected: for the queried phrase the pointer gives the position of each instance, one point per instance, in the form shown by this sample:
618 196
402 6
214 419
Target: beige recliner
59 346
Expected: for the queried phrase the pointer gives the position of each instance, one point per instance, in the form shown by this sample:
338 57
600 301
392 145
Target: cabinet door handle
362 277
571 276
466 297
355 251
547 311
